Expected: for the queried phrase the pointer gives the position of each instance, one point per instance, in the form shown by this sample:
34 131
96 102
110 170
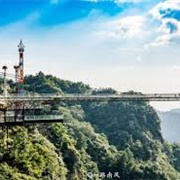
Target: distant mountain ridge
170 124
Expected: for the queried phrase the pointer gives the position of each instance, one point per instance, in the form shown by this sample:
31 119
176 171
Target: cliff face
125 122
110 137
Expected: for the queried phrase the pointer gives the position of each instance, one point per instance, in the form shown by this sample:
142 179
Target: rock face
170 125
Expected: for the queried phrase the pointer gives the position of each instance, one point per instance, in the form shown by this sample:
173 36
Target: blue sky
124 44
54 12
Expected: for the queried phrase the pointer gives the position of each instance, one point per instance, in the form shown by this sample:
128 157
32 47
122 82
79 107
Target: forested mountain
95 140
171 125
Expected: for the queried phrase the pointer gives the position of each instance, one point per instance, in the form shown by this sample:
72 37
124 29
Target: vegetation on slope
29 155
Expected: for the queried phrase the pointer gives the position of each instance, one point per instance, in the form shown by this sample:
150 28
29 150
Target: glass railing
11 119
43 117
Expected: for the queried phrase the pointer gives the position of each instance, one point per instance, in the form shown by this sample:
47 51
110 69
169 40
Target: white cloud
166 6
159 42
165 25
130 49
168 26
144 29
124 28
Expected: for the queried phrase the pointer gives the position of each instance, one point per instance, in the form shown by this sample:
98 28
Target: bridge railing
28 97
105 94
43 117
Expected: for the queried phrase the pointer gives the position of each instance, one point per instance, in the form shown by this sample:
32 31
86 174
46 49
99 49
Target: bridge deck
103 97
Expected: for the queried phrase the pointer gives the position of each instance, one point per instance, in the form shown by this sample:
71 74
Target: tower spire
21 66
21 46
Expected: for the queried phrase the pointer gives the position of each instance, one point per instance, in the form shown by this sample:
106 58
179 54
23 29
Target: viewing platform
9 120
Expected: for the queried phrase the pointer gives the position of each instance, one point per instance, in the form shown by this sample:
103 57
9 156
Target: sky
123 44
